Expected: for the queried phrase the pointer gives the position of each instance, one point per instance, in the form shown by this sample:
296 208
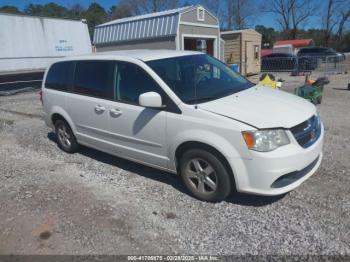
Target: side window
131 81
59 76
94 78
200 14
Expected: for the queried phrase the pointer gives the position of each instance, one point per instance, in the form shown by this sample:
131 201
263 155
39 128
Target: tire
65 137
205 175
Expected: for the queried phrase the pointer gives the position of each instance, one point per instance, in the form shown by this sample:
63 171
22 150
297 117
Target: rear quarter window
59 76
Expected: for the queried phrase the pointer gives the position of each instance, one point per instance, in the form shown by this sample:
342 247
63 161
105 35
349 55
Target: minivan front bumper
279 171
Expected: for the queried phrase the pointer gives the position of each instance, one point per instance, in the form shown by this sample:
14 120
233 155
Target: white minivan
184 112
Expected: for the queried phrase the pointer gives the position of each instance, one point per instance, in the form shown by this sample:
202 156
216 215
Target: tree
334 15
282 10
344 18
291 14
49 10
329 22
301 11
10 9
268 35
239 13
95 15
76 11
119 11
343 44
315 34
138 7
337 14
54 10
214 6
217 9
32 9
233 14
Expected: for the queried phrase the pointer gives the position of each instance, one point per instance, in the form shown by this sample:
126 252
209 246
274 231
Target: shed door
249 55
252 58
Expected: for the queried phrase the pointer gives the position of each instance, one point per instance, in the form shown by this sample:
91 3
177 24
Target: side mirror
151 99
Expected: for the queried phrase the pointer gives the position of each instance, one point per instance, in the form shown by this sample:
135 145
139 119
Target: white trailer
30 43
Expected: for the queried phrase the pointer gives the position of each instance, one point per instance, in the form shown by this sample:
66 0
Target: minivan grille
307 132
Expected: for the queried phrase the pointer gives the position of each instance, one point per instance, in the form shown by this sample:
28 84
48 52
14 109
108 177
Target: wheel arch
183 147
55 117
59 113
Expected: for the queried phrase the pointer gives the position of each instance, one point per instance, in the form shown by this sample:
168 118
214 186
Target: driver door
138 132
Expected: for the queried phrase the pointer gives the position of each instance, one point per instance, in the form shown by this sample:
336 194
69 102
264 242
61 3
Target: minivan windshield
199 78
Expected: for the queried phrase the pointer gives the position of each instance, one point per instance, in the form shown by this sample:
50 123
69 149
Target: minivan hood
262 107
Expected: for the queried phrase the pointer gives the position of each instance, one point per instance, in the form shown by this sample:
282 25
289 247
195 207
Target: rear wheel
205 175
65 137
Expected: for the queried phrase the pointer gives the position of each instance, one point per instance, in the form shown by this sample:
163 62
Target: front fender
218 142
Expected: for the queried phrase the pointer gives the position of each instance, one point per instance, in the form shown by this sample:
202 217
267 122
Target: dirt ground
93 203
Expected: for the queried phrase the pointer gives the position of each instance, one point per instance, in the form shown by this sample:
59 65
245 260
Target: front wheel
205 175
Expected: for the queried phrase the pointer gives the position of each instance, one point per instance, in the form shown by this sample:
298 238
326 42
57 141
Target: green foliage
49 10
35 10
10 9
268 35
342 44
54 10
316 34
95 14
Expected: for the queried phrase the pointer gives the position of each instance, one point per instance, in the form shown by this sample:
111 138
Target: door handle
115 112
99 109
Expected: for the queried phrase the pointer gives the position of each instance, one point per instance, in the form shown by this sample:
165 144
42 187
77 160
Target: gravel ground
93 203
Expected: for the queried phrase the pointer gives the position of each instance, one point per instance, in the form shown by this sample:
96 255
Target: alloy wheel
64 136
201 175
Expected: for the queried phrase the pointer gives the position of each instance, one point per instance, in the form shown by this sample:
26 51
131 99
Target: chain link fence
306 63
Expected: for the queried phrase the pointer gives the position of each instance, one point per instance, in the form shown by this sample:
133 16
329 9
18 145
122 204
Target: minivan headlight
265 140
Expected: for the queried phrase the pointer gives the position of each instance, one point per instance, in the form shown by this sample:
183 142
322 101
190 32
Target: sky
265 19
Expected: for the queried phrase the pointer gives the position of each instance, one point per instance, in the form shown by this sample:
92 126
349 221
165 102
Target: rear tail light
41 97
